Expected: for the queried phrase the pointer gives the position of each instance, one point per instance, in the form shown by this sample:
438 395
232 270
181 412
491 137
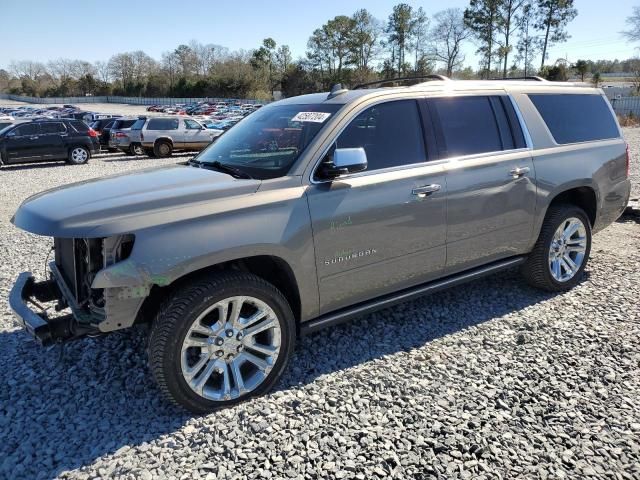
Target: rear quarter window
573 118
79 126
138 124
162 124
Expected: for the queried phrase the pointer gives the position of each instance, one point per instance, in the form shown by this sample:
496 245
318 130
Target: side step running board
349 313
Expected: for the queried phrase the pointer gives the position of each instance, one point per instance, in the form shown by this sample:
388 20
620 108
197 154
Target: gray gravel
492 380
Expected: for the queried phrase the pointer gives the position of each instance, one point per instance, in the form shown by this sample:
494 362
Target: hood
128 202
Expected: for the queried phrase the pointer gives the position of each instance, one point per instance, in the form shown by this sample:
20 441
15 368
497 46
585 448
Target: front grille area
65 259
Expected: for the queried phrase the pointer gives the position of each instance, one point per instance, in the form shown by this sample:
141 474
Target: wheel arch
270 268
584 197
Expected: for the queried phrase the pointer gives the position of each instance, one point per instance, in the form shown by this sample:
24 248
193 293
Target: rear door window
52 128
469 125
573 118
162 124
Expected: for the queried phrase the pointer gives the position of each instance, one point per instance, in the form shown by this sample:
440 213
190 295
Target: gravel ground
493 380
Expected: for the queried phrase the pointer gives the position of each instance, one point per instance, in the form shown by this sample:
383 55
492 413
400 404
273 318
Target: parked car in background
6 120
120 138
101 126
48 139
161 136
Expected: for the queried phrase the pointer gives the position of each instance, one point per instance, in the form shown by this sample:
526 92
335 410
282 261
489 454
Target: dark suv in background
50 139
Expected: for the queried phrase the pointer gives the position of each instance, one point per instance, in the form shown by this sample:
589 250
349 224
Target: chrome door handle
425 190
34 138
518 171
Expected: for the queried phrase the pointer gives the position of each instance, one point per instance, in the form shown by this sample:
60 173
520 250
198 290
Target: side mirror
11 134
343 162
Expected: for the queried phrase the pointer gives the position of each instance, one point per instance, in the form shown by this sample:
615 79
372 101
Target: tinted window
390 133
28 129
468 126
162 124
52 127
79 126
576 118
122 124
138 124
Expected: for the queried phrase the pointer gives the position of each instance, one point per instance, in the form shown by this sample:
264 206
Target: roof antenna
336 90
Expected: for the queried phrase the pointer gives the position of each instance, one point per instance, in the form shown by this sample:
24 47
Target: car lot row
30 134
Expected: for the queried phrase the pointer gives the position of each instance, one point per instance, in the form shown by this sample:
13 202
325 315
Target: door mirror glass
343 162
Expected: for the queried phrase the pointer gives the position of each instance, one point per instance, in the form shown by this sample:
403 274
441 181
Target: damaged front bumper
47 331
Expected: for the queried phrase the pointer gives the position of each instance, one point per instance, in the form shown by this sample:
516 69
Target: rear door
51 140
490 178
23 143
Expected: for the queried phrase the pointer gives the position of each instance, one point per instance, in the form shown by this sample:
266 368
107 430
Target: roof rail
403 79
528 77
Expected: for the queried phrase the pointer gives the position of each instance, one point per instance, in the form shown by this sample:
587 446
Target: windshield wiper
222 167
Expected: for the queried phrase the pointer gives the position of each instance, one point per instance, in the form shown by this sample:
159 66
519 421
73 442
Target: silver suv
320 208
160 136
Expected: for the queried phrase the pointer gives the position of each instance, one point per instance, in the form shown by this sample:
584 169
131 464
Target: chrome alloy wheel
567 250
79 155
230 348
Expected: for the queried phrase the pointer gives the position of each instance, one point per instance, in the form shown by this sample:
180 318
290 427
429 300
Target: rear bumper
613 205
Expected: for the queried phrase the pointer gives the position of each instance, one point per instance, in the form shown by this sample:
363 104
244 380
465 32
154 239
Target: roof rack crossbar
403 79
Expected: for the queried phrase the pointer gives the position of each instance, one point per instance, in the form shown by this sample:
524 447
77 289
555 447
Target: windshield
268 142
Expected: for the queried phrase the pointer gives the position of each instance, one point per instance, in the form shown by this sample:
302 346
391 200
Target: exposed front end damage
70 285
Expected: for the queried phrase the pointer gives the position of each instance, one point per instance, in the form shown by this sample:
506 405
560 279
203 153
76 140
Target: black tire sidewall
554 224
176 384
158 145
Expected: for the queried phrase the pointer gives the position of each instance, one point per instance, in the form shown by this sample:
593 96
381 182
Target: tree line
512 38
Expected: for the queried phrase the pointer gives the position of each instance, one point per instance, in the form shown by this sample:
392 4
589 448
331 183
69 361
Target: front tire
220 340
78 155
560 255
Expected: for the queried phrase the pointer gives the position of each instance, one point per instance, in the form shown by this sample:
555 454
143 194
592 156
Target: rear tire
162 149
135 149
560 255
78 155
221 339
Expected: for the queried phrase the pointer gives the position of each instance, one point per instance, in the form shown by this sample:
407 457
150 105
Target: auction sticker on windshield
317 117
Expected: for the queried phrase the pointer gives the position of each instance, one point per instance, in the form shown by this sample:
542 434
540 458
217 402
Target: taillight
121 135
92 133
628 161
141 137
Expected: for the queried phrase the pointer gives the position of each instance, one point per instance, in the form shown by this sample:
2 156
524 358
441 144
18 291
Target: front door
23 143
195 136
490 179
383 229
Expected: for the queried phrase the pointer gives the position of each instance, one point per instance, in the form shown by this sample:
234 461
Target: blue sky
90 30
